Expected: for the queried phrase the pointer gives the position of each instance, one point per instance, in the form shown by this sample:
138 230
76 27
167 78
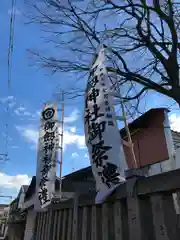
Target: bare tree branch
143 40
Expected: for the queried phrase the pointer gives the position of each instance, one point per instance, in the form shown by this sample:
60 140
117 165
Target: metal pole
128 134
61 148
126 127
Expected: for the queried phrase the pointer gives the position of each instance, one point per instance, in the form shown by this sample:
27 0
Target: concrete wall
30 223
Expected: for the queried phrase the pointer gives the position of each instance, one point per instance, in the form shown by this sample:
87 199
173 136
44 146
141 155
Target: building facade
157 150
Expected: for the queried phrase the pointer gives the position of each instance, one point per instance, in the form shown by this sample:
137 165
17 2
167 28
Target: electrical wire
10 54
11 41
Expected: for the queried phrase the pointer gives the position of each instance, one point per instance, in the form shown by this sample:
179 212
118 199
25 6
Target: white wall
30 224
177 158
161 167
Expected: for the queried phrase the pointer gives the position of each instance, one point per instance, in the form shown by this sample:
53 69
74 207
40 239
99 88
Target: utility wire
10 54
11 41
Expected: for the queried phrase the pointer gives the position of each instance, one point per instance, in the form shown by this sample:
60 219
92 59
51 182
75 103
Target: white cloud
21 109
73 129
12 104
86 155
38 113
70 129
75 155
22 112
10 100
28 114
175 122
14 147
16 11
69 137
6 99
73 138
7 181
72 117
31 136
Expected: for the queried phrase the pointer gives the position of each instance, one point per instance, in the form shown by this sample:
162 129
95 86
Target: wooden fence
3 230
145 212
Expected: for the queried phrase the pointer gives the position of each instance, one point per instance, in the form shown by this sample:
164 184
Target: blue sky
29 90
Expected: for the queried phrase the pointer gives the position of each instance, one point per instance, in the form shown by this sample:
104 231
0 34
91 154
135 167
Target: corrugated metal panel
176 139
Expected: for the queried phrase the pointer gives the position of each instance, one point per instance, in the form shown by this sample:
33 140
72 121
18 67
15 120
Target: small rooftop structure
143 121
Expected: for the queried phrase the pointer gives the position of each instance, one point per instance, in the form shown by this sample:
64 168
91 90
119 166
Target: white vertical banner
47 156
101 131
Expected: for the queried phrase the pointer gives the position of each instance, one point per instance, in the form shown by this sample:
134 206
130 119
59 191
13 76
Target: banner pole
61 148
127 127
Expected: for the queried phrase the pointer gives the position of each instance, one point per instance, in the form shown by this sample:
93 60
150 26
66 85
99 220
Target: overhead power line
9 63
11 40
